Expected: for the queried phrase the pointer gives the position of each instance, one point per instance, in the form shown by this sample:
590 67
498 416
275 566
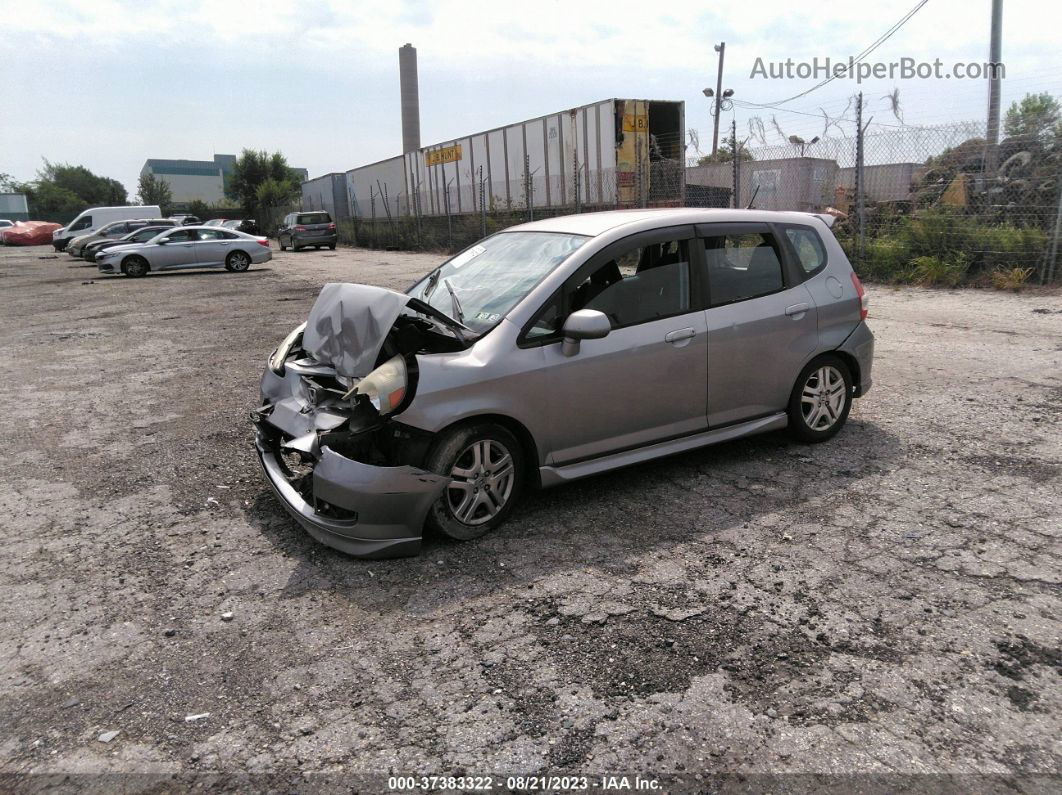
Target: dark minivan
299 230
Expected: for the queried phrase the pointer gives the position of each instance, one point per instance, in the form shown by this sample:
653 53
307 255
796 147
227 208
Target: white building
202 180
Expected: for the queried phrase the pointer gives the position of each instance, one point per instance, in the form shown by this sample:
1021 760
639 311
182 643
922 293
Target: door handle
796 309
679 334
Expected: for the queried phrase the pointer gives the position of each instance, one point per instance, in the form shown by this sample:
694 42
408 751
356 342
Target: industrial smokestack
407 70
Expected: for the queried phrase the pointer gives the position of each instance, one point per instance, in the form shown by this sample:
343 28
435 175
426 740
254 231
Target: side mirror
162 242
584 324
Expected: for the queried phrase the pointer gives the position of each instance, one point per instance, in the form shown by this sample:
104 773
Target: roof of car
600 222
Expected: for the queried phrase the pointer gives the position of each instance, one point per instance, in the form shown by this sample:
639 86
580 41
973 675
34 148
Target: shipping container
613 153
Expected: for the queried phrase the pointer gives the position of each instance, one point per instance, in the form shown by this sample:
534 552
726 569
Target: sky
108 84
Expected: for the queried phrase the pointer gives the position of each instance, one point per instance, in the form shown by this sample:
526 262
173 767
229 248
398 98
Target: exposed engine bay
334 386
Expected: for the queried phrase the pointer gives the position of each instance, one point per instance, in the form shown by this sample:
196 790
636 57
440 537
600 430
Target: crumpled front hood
348 324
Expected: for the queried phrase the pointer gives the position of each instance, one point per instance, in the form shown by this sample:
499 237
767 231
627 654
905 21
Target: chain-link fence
932 205
453 214
925 205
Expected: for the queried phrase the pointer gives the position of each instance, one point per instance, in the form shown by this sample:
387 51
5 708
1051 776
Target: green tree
155 190
91 188
1036 115
48 200
252 170
199 209
725 154
61 189
273 192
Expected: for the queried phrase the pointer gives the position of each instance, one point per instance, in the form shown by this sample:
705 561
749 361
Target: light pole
796 139
720 101
718 94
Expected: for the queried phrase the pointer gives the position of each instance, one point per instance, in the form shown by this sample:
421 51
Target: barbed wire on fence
940 205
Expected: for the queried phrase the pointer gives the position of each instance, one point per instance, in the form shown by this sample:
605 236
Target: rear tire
332 247
821 400
280 240
486 464
238 261
135 267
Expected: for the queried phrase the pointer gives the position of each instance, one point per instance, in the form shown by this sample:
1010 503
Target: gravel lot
885 603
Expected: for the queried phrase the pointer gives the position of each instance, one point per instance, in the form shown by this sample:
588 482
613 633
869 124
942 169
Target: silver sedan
552 351
187 247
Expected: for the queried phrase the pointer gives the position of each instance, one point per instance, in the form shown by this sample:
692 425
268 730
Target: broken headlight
385 386
280 355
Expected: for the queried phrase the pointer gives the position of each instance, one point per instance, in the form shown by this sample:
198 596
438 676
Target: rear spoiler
829 218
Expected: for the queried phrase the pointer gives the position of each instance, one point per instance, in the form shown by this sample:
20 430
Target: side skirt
553 476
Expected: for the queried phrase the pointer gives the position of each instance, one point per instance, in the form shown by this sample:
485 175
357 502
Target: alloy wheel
482 481
822 398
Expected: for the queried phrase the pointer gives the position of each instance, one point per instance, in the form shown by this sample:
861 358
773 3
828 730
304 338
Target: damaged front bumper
362 509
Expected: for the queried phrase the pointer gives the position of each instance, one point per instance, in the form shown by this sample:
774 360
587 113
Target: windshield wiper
460 329
458 313
433 280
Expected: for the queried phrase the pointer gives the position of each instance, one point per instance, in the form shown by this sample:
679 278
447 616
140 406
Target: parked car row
186 247
114 231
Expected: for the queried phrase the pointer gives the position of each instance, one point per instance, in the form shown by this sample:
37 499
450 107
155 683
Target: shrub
929 271
1011 279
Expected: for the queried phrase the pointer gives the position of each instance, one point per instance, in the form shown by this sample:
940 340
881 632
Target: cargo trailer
613 153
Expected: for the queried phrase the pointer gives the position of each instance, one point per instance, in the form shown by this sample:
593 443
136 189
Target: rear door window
742 266
182 236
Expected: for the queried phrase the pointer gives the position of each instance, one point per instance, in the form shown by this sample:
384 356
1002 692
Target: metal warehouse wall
327 193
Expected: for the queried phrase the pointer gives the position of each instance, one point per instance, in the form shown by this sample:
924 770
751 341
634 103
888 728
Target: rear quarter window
806 243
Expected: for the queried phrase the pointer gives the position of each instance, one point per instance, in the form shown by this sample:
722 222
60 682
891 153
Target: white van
93 218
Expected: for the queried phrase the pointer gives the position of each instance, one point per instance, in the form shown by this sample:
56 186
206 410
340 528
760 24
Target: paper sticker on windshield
466 257
488 317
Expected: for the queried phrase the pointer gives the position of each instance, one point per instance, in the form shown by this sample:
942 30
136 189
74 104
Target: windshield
481 284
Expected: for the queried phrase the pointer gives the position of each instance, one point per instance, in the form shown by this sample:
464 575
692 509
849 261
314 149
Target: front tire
821 400
135 267
486 465
238 261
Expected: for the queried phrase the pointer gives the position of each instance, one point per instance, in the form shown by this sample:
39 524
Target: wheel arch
853 368
515 427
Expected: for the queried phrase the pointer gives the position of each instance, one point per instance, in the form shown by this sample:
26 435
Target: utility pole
721 49
860 187
735 164
995 55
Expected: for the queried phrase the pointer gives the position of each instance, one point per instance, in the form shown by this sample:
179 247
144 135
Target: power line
867 51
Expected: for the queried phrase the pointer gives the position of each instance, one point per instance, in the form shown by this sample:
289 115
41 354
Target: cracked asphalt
885 603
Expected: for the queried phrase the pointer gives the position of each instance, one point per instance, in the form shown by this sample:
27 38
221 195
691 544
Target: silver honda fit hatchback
552 351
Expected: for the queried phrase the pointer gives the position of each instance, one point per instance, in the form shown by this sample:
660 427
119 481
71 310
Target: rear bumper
386 505
309 239
860 346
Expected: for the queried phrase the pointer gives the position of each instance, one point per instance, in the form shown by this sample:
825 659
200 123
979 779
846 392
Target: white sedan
187 247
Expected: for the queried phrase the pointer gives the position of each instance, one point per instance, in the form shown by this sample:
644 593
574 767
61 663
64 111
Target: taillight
331 227
300 228
861 294
262 241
